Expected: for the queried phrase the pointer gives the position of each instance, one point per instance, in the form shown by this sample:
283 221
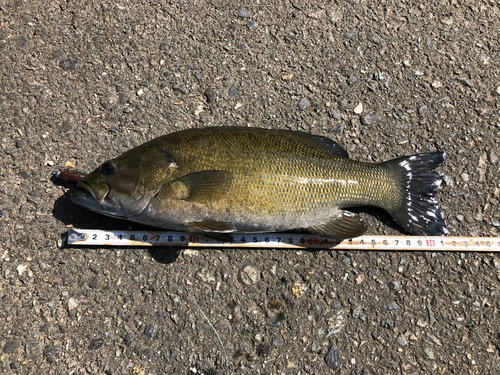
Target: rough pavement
82 81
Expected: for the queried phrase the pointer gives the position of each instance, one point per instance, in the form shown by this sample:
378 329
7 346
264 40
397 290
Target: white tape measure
93 237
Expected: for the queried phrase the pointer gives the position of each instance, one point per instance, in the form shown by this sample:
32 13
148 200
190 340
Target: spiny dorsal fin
324 143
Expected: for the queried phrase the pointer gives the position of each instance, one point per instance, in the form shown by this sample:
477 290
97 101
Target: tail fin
419 212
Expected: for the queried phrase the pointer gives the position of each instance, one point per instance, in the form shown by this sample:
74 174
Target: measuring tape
93 237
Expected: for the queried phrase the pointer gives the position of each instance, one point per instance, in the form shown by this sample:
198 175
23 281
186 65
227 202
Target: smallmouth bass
218 180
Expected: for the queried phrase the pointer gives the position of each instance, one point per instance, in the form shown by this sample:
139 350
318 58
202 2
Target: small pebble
11 346
496 263
297 290
465 81
303 104
495 223
243 13
211 95
149 330
21 268
395 285
432 320
277 342
356 312
352 80
96 343
375 335
233 90
175 318
336 114
492 156
179 89
375 38
72 303
460 217
392 306
370 119
285 280
448 181
436 84
403 340
68 64
358 109
252 25
332 358
421 323
352 34
429 352
249 275
465 177
384 77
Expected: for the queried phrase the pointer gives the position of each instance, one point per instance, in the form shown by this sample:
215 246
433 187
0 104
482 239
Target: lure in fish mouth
234 179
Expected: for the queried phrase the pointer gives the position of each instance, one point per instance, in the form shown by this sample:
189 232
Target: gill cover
123 186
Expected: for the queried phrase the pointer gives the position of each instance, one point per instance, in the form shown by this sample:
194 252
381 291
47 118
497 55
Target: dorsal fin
324 143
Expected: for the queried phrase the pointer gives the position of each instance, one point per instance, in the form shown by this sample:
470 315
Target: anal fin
346 225
211 227
215 230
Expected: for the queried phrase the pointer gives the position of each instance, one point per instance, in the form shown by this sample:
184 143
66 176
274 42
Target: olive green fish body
232 179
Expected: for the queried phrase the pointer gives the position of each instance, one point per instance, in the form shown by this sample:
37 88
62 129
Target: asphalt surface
83 81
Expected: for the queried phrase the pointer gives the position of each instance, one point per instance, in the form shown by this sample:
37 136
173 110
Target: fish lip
86 188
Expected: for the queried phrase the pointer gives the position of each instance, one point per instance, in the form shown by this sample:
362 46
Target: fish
215 181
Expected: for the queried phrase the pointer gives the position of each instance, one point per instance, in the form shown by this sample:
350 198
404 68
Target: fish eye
107 169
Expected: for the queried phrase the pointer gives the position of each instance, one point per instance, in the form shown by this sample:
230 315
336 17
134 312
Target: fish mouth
98 191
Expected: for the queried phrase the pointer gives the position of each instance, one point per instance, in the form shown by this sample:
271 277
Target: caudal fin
419 212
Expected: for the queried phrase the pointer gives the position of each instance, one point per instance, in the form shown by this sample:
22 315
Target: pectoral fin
346 225
203 186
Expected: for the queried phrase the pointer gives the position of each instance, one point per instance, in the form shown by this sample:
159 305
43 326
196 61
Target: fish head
124 186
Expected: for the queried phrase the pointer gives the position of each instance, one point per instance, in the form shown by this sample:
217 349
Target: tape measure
93 237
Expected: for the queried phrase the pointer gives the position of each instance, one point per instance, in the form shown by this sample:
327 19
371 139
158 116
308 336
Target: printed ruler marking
94 237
